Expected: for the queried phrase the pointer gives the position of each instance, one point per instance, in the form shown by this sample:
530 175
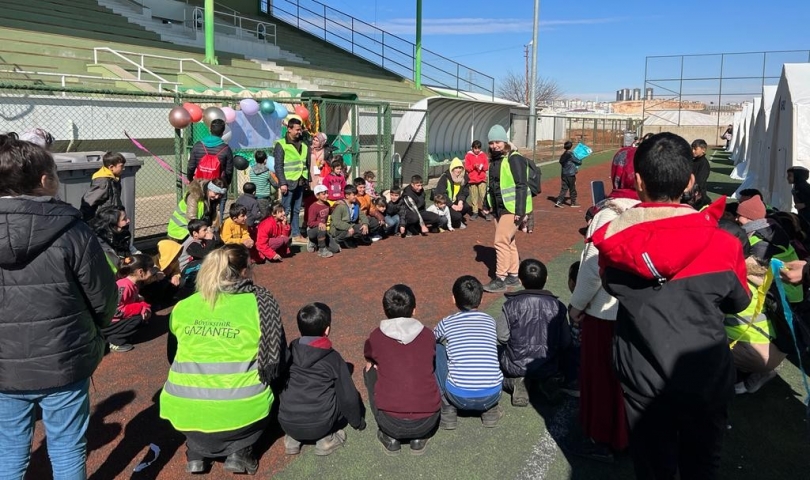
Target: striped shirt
472 351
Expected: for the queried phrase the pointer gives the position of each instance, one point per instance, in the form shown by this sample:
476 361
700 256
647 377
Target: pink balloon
302 112
230 114
194 110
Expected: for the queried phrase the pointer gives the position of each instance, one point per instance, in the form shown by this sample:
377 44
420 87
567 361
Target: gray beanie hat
497 134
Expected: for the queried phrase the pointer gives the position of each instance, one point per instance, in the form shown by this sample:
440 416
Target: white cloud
479 26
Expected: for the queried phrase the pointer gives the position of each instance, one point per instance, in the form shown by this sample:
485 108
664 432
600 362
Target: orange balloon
302 112
194 111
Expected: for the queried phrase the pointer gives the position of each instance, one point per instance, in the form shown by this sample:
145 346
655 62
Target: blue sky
594 47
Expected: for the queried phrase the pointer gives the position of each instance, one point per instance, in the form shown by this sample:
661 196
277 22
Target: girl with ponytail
132 311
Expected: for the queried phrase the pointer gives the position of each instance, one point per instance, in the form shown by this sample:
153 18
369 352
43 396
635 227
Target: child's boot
330 443
391 446
325 253
490 418
449 419
291 445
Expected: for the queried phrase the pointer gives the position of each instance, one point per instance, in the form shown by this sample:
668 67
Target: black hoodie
319 391
56 293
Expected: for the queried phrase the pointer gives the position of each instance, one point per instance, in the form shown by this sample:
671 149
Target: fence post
178 154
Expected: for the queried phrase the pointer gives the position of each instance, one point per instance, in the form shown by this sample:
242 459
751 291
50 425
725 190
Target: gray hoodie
403 330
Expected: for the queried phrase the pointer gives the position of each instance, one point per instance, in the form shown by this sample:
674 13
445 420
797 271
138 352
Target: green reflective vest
509 189
794 293
295 163
213 383
178 224
760 329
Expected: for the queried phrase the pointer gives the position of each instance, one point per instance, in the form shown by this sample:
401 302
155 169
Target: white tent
682 118
741 169
758 144
735 124
741 134
789 131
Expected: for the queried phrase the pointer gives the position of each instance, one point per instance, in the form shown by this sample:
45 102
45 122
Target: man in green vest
292 168
511 202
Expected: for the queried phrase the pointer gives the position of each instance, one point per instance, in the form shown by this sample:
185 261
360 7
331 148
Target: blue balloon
280 110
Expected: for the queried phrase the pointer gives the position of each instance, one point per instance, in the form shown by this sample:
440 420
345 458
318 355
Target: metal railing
180 61
140 68
64 76
242 26
381 48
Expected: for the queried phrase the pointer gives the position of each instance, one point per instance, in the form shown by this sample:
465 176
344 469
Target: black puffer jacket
56 292
538 331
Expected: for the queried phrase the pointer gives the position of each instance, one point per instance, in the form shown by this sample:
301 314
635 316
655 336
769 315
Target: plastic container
76 169
582 151
629 138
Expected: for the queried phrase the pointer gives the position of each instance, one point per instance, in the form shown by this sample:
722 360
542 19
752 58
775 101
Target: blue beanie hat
497 134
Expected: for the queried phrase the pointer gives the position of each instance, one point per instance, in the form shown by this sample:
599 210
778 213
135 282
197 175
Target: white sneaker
739 388
757 380
462 226
376 238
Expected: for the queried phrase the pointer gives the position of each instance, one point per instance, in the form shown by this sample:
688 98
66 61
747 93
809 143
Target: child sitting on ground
371 185
399 375
375 218
319 393
203 241
105 185
349 223
467 366
273 236
533 330
251 203
235 230
389 224
317 216
335 182
132 310
439 207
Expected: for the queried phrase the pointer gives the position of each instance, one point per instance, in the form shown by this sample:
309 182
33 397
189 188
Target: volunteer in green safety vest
230 346
200 202
511 201
292 157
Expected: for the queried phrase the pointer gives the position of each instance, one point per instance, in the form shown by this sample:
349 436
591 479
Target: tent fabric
758 145
741 135
741 169
682 118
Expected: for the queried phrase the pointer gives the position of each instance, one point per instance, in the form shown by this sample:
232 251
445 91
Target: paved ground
767 438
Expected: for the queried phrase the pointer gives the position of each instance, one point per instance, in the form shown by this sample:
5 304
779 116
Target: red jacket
622 171
130 304
476 166
266 230
335 185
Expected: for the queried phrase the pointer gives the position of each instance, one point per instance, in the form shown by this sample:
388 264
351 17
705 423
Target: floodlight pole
417 68
210 56
533 79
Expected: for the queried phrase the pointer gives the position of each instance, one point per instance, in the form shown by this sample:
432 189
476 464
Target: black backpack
534 178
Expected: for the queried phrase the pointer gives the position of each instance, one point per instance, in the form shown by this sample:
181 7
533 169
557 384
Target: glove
362 425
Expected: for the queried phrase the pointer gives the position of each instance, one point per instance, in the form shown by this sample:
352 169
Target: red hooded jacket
269 228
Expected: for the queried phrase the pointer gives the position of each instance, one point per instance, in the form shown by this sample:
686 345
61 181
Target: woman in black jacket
57 293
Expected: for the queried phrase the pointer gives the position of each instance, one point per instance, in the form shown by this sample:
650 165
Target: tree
512 87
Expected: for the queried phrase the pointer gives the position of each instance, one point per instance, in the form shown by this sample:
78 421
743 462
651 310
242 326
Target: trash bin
629 139
76 170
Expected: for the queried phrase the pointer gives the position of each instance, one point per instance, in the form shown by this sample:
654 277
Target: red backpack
209 166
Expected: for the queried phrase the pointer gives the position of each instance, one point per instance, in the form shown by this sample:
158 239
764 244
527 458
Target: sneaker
511 281
325 253
474 216
739 388
291 445
462 226
575 205
490 418
391 446
124 347
376 238
242 461
195 466
418 446
592 450
449 418
495 286
348 243
330 443
488 217
520 395
364 240
559 205
756 380
311 247
571 388
299 240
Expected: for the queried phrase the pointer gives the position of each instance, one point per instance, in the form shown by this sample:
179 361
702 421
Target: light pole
526 78
533 80
417 68
210 56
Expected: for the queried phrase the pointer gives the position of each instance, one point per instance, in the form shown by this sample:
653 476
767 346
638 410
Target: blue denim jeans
292 207
478 404
391 224
65 415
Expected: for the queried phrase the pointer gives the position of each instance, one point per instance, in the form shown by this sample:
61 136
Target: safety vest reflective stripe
217 368
201 393
294 161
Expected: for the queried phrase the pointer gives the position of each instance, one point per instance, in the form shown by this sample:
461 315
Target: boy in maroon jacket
399 375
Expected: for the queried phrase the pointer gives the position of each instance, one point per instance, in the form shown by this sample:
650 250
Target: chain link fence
598 133
88 120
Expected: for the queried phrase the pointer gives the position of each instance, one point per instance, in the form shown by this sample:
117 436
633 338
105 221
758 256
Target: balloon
194 110
302 112
249 107
212 113
240 162
179 117
226 136
281 110
230 114
290 117
268 106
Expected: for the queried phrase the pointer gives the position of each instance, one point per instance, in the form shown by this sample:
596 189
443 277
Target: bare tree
512 87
